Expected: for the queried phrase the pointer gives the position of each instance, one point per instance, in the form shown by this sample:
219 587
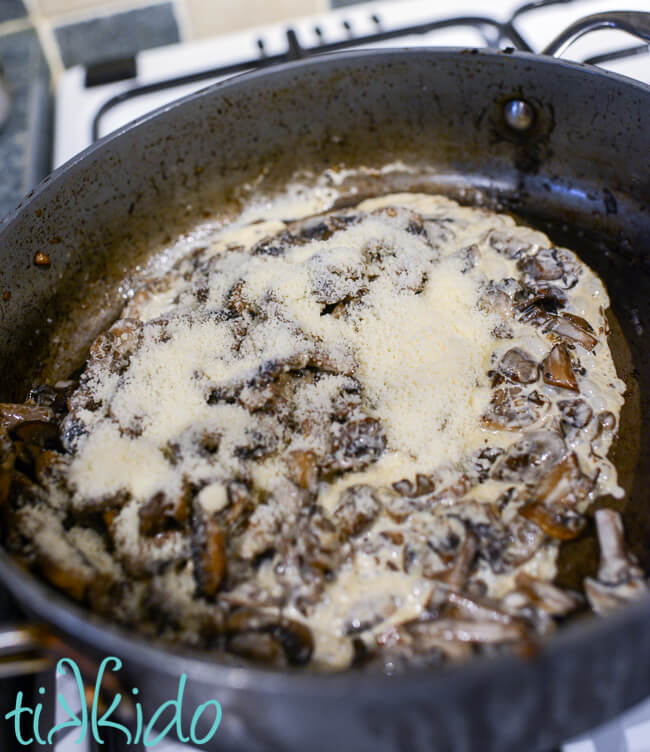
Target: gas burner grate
497 35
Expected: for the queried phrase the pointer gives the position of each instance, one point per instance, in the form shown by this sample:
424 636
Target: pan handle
636 23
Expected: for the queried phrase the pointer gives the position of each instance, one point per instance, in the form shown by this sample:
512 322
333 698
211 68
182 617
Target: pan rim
250 77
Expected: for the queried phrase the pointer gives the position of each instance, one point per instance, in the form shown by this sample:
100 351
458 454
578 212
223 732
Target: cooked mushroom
604 599
294 637
546 297
557 370
424 484
530 458
357 509
551 264
525 540
564 484
511 409
161 513
12 415
554 522
495 301
576 414
463 606
518 366
464 630
457 576
37 432
574 329
208 553
546 596
357 444
615 563
303 469
620 579
256 646
508 244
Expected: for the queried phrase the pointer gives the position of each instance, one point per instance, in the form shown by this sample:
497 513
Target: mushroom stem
615 563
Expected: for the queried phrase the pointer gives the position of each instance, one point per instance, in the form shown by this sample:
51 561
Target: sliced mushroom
69 578
260 647
12 415
161 513
546 596
605 599
294 637
459 573
557 370
321 227
576 414
496 301
518 366
550 264
357 509
507 244
574 329
525 540
511 409
464 630
46 464
564 484
208 553
620 579
555 523
530 458
37 432
546 297
303 469
469 256
357 444
463 606
424 484
241 504
616 566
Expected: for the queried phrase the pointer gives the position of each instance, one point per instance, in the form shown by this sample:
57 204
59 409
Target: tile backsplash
117 34
12 9
76 32
206 18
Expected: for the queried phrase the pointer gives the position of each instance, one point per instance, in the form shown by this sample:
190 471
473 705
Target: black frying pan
578 168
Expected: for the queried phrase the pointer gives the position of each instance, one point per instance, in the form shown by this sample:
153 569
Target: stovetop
92 102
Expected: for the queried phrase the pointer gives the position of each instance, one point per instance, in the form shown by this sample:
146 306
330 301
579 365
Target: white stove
77 104
83 112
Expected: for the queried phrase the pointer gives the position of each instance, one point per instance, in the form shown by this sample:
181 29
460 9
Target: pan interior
104 218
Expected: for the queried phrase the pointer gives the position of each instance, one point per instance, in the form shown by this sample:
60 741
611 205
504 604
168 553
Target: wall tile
117 35
58 7
207 17
10 9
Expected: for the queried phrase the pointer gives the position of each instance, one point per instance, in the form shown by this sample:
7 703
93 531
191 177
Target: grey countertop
26 136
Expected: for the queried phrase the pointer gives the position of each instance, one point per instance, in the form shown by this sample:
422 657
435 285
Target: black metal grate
504 35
